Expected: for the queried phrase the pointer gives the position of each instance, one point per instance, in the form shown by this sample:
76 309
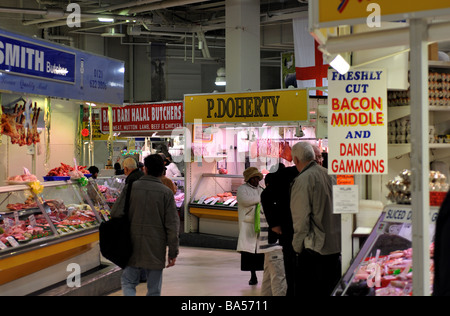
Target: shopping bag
115 237
115 240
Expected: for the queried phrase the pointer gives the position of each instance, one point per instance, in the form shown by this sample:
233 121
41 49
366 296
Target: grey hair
130 163
303 151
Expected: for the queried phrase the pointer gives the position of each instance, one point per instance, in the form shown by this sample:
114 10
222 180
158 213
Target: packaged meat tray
384 264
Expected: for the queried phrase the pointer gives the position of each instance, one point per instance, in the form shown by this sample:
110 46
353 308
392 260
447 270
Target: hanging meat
15 126
32 132
8 124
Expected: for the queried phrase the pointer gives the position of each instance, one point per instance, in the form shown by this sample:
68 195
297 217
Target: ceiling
156 21
172 22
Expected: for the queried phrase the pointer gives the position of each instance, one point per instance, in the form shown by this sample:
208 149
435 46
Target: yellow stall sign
262 106
328 13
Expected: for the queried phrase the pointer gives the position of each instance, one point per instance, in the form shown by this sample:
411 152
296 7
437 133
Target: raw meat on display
64 170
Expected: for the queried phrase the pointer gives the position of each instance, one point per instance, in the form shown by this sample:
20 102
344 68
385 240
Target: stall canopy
39 67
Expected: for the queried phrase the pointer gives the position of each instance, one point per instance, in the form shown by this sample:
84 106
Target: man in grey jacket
317 231
154 228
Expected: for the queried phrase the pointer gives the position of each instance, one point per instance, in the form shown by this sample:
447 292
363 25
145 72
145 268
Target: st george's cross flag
310 68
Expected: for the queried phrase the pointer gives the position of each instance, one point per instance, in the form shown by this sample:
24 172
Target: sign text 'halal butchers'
144 117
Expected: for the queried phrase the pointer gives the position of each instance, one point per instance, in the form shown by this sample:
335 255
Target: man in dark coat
154 228
280 220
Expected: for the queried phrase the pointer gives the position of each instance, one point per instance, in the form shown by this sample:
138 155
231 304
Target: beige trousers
274 278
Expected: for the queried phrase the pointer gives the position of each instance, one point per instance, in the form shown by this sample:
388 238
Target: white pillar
242 56
420 157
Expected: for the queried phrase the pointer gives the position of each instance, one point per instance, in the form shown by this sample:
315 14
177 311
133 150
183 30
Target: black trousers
289 257
316 274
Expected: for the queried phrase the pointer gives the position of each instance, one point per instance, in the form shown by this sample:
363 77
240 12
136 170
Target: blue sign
35 66
28 59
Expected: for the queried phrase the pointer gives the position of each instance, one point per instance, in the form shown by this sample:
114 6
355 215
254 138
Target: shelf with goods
399 111
383 266
42 230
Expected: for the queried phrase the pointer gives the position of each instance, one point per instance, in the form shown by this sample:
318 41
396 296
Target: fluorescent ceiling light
340 65
105 19
220 81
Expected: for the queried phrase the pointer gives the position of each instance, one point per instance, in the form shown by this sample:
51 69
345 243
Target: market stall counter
383 266
41 233
216 205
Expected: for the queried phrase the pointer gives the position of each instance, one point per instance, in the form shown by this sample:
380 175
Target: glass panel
110 187
217 190
21 220
69 208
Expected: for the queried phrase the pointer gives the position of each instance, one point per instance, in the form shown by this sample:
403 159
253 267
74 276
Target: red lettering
335 104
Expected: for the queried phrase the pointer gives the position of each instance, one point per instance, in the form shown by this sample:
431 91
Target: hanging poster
357 122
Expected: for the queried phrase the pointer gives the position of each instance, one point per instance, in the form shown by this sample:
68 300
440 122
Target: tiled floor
205 272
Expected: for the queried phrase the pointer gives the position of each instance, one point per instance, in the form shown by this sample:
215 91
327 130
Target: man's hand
277 230
171 262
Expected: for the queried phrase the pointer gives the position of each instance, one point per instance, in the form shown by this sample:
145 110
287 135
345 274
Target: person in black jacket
281 220
441 284
269 204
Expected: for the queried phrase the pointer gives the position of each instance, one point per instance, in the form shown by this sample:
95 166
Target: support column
242 57
420 157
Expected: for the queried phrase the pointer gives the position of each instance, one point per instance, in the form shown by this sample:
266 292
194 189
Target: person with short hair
131 170
93 170
317 231
154 228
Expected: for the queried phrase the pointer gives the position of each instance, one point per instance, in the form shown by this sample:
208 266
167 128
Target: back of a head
130 163
93 170
303 151
154 165
269 178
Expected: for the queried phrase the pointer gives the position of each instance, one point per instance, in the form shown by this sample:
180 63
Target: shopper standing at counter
248 197
281 220
131 170
154 227
317 231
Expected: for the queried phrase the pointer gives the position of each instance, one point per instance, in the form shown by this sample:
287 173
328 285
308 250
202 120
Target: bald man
131 170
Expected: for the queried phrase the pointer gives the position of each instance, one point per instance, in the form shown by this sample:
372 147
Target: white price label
12 241
32 220
16 218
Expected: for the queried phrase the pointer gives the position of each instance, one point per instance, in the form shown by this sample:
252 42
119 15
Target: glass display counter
214 196
383 266
41 230
110 187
